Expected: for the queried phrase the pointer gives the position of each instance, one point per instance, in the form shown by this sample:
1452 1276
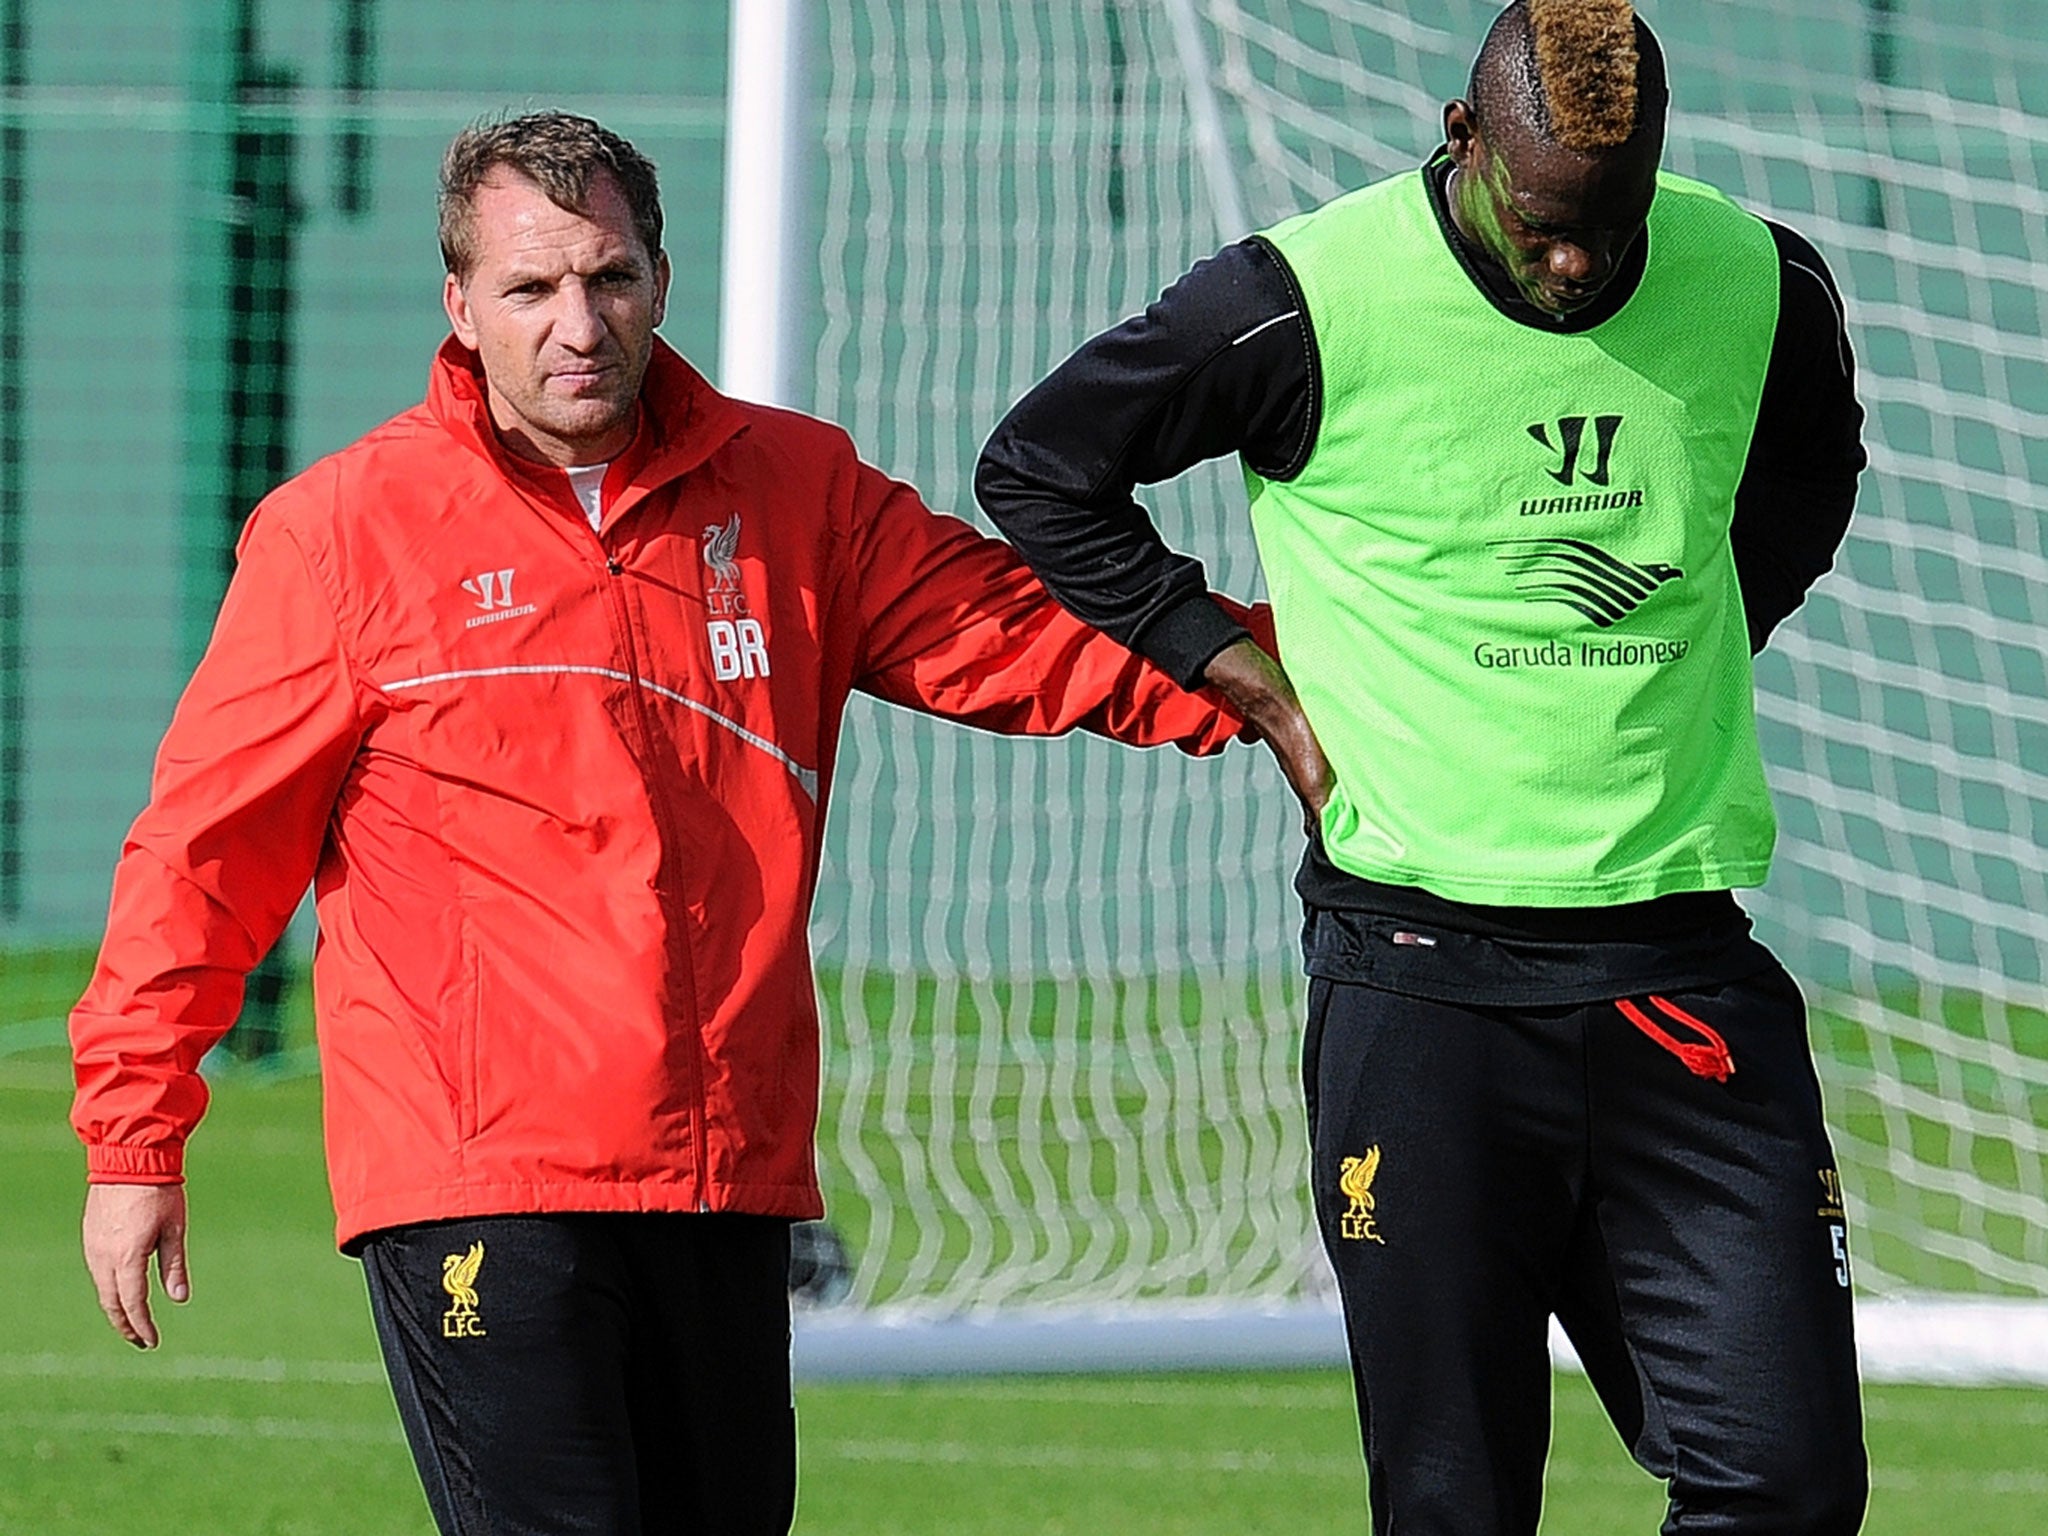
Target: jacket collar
683 421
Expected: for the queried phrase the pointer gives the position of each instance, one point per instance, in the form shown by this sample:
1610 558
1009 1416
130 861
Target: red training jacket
560 795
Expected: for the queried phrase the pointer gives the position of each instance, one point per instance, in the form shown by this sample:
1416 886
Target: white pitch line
204 1427
156 1367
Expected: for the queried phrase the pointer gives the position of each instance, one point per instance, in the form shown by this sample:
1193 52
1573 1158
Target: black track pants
1507 1164
616 1375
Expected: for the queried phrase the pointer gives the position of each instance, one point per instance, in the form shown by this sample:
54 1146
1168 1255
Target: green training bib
1502 582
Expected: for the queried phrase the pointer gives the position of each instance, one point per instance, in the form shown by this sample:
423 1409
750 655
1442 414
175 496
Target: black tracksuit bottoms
1654 1171
613 1374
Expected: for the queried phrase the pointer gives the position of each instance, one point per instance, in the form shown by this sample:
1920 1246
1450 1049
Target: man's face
1557 221
561 309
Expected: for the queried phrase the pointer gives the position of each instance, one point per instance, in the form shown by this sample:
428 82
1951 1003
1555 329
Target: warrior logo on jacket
493 593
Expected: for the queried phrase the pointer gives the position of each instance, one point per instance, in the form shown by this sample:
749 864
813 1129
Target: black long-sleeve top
1225 362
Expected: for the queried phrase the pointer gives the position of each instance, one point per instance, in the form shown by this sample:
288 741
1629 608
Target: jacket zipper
657 793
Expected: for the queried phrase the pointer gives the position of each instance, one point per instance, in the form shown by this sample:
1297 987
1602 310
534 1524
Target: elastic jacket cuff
162 1163
1186 637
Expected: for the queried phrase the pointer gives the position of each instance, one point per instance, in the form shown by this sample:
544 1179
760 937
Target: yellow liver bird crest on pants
458 1279
1355 1181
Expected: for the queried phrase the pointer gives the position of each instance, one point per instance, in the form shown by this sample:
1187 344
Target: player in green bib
1541 444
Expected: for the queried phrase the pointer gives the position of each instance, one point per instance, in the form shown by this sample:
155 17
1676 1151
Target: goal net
1062 983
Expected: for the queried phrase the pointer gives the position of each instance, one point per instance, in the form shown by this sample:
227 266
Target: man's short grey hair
558 152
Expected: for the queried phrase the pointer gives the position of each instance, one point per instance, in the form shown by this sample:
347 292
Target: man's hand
1259 689
124 1225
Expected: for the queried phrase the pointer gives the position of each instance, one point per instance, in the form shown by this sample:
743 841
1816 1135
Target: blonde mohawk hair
1586 62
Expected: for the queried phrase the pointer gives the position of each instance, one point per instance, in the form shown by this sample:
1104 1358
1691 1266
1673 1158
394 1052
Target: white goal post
761 272
1061 983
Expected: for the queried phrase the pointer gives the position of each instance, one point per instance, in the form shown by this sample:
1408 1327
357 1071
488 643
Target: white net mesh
1062 982
1059 979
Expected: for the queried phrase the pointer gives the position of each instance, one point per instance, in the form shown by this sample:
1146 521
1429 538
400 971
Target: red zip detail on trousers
1712 1059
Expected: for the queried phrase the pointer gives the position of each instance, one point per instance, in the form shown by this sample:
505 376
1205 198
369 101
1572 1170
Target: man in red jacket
540 684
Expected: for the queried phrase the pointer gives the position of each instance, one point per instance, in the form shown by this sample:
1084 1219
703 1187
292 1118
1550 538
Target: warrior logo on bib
1571 435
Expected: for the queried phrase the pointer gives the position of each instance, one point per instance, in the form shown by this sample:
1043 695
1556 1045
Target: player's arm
1222 363
1799 485
245 783
955 624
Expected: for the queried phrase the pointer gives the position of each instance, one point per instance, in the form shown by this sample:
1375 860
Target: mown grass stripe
1163 1392
32 1035
157 1367
2004 1482
1957 1403
2001 1482
1080 1458
204 1427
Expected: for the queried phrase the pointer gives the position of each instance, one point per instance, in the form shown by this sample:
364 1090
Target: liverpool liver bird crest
721 543
1355 1181
458 1279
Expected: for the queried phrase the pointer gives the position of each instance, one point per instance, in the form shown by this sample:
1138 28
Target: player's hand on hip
125 1225
1258 687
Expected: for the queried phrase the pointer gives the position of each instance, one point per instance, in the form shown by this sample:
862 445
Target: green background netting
1060 980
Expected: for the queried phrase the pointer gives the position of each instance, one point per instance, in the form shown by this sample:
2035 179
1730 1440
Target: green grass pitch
266 1411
